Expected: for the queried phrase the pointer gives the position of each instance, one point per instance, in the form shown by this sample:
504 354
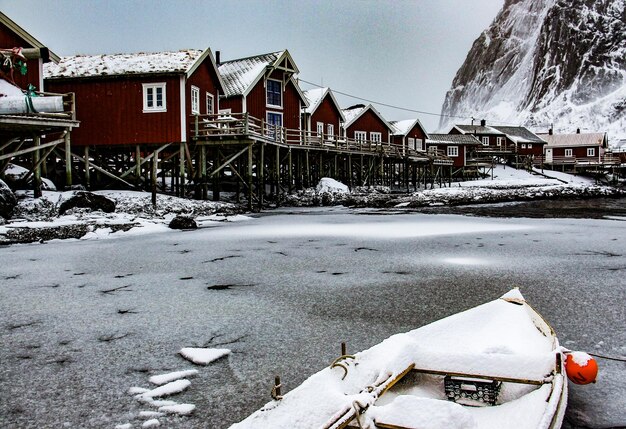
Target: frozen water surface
81 322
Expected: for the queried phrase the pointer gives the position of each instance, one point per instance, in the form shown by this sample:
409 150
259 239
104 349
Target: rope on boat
337 362
619 359
357 413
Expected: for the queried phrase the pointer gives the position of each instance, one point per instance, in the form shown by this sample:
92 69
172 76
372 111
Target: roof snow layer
123 64
240 74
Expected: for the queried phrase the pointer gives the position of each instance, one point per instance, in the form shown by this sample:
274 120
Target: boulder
88 200
183 222
7 200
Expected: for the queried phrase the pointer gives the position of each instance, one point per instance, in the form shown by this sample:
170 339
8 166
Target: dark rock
183 222
7 200
88 200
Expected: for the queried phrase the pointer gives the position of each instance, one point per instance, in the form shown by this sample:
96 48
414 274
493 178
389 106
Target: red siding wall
327 113
577 151
9 40
206 80
111 111
257 105
416 132
535 149
368 122
458 161
232 103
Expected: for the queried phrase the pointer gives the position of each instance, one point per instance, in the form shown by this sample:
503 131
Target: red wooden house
264 87
14 36
489 137
454 146
574 148
141 98
524 141
323 116
409 135
366 124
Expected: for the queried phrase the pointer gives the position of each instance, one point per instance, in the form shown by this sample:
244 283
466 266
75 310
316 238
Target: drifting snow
202 356
166 390
166 378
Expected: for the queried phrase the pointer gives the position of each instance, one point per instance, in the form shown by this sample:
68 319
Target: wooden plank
31 149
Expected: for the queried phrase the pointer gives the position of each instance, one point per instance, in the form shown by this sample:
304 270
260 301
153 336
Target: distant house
525 141
489 137
574 148
323 115
409 135
265 87
141 98
366 124
14 36
456 147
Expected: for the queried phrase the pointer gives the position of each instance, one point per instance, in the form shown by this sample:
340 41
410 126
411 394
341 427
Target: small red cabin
570 148
409 135
323 116
264 86
14 36
142 98
525 141
489 137
454 146
366 124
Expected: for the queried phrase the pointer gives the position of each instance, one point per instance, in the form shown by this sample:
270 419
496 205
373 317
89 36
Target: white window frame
275 106
271 132
330 131
499 141
523 145
210 106
360 136
376 137
453 151
320 129
411 143
529 145
151 87
485 141
195 100
432 149
591 151
569 153
419 145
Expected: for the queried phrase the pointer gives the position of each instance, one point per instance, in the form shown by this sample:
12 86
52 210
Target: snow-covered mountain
544 62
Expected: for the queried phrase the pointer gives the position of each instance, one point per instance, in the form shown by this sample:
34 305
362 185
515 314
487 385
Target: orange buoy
581 368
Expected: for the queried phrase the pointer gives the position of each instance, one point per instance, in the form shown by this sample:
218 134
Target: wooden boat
498 365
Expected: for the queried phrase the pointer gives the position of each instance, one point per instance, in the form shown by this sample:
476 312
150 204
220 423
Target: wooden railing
220 126
578 160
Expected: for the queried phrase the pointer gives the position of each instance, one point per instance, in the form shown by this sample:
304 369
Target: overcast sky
403 53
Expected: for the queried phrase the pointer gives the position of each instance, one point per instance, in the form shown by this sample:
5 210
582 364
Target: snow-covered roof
402 128
241 74
520 134
315 97
177 62
477 129
455 139
353 113
9 23
567 140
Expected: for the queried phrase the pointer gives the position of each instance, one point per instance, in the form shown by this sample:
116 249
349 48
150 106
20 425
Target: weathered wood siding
111 110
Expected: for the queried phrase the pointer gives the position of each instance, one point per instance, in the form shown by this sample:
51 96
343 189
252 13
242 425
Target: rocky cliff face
544 62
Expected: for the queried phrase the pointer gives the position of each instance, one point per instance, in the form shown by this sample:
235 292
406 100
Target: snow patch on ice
151 423
171 376
167 389
465 261
179 409
327 184
203 356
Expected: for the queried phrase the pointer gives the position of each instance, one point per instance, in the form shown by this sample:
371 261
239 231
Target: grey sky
403 53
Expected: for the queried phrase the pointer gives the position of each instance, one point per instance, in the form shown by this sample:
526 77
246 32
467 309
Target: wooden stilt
37 168
68 160
87 167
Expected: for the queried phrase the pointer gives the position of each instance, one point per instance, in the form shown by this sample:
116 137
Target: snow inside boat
498 365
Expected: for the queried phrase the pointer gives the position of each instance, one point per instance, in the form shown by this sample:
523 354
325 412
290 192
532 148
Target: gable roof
402 128
242 74
353 113
315 97
520 134
476 129
178 62
453 139
26 36
565 140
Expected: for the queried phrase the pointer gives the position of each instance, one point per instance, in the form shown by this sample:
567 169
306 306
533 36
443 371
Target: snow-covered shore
39 219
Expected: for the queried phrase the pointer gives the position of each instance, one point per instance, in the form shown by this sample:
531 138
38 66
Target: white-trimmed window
529 146
320 128
432 149
154 99
274 124
411 142
376 137
569 153
419 144
485 141
591 151
523 145
499 141
330 131
453 151
195 100
274 93
360 136
209 103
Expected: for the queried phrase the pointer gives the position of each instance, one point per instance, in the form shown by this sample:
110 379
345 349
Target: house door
274 124
548 156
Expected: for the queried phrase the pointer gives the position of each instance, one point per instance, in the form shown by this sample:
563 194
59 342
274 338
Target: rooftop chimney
577 130
217 58
483 123
550 131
